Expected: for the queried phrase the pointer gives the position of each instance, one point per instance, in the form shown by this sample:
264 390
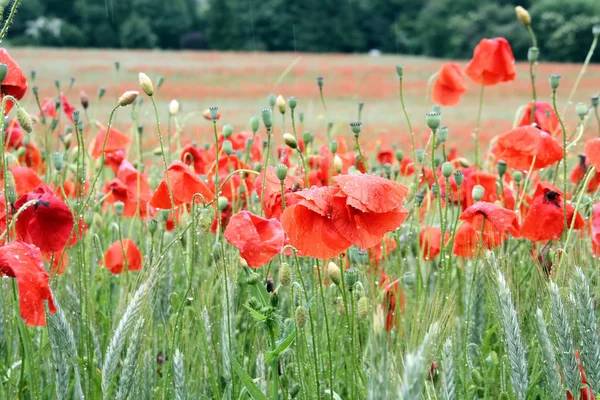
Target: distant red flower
578 174
473 177
407 166
449 85
114 159
47 224
116 140
492 63
592 150
23 261
519 147
198 157
124 188
545 218
67 107
273 206
544 117
258 239
392 292
596 229
122 255
376 253
15 82
430 242
386 156
184 185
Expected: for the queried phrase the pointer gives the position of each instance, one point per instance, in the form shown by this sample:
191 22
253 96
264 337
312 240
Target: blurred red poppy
492 63
47 224
578 174
392 291
494 218
377 254
592 150
545 218
123 255
26 179
272 206
521 146
115 140
15 82
125 187
544 117
596 229
258 239
473 177
430 242
449 85
386 156
23 262
184 185
196 156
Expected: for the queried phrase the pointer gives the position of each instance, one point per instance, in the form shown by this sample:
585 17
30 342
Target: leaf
283 345
247 380
256 314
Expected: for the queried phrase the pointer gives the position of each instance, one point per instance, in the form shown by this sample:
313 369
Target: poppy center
552 197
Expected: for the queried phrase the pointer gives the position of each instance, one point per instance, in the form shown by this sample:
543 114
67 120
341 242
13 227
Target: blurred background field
239 83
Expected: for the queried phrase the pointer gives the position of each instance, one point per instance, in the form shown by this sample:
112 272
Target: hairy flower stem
533 92
8 22
264 178
562 125
321 291
581 73
412 133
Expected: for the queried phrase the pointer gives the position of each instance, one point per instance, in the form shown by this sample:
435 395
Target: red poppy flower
544 117
15 82
430 242
67 107
545 218
258 239
198 157
495 219
407 166
23 262
122 255
240 140
592 150
585 392
114 159
125 189
116 140
377 254
184 185
392 291
26 179
473 177
449 85
47 224
386 156
578 174
492 63
466 241
519 147
14 135
272 199
596 229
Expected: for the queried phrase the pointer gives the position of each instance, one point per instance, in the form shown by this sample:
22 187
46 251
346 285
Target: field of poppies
235 226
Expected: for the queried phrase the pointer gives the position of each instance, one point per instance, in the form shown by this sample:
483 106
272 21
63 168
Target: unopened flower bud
24 120
581 110
399 155
459 177
320 81
356 127
281 105
501 168
419 197
554 81
595 101
152 226
433 119
533 54
517 176
333 146
58 161
254 124
301 316
272 99
21 151
281 171
146 84
420 155
11 193
36 91
227 147
227 130
307 137
267 117
442 134
478 192
119 208
222 203
285 274
447 168
128 97
173 107
84 99
409 278
334 273
523 15
101 92
159 81
400 70
290 140
292 102
338 164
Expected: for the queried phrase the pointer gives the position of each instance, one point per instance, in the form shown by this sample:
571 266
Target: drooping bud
119 207
173 107
356 127
254 124
159 81
307 137
128 97
290 140
333 146
281 171
501 168
58 161
300 317
272 99
533 54
334 273
11 193
409 278
285 274
595 101
433 119
523 15
281 105
84 99
478 192
459 177
400 70
420 155
442 134
101 92
24 120
222 203
292 102
554 81
447 168
227 147
214 113
338 164
267 117
419 197
146 84
581 110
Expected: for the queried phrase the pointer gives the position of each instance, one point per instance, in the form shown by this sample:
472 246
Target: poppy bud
119 207
222 203
227 130
36 91
128 97
290 140
320 81
281 105
333 146
159 81
152 226
433 119
334 273
292 102
3 71
447 169
399 155
146 84
285 274
58 161
258 167
356 127
442 134
173 107
478 192
554 81
11 194
267 117
227 147
351 278
24 120
301 316
435 190
501 168
307 137
272 99
420 155
274 299
338 164
254 124
419 197
595 101
533 54
409 278
400 70
596 30
214 113
459 177
281 171
363 307
101 92
88 218
581 110
523 15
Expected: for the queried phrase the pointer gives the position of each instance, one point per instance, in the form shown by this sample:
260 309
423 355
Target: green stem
264 178
360 154
581 73
412 133
13 10
326 331
562 125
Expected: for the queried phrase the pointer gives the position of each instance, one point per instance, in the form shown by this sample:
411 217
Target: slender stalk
412 133
562 125
581 73
13 10
326 330
264 179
